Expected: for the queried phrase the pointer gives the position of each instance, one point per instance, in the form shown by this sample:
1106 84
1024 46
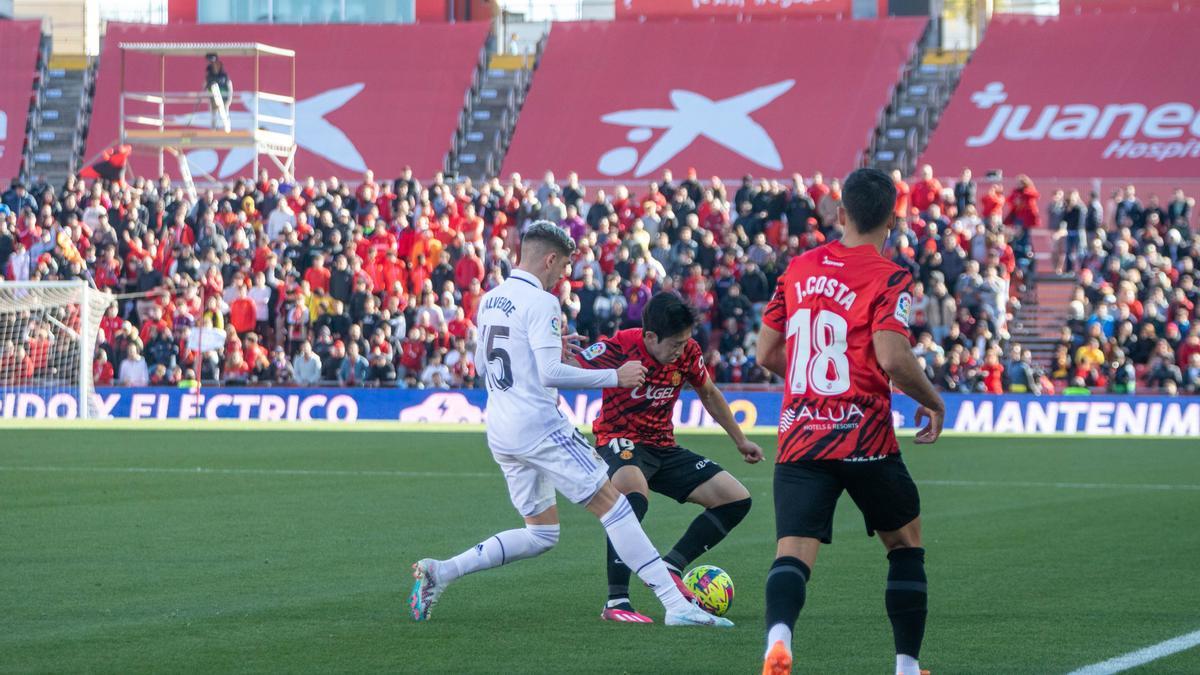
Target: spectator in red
243 313
1023 204
993 373
468 268
412 353
317 275
992 203
902 194
102 370
818 189
926 191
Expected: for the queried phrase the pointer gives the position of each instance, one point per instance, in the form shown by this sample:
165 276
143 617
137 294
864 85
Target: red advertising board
624 100
650 9
1078 7
18 66
368 97
1088 97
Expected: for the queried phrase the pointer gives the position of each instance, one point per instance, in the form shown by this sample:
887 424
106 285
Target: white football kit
519 355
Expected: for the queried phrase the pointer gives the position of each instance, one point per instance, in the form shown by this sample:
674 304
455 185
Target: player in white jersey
520 355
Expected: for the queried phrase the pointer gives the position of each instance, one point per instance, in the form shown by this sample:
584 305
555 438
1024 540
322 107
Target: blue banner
977 413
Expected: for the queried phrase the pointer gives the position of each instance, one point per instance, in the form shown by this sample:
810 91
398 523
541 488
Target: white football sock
505 547
907 665
634 547
779 632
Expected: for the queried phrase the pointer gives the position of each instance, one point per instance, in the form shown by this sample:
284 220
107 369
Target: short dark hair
869 197
666 315
547 233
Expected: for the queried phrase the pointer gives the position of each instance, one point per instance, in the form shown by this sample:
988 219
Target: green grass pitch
245 550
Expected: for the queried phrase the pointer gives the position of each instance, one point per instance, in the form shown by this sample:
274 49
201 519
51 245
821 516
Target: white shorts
563 461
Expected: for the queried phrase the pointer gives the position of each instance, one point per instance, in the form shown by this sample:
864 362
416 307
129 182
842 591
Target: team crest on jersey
626 455
595 351
676 378
903 308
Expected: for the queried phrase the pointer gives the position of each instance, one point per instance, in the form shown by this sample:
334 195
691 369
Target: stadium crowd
376 283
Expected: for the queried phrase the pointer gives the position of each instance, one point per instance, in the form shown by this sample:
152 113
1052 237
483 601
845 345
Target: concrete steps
62 110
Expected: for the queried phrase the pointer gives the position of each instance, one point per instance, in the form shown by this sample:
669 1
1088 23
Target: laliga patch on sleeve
594 351
903 308
555 327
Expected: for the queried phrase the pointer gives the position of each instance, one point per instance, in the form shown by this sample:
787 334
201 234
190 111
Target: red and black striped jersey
643 414
828 303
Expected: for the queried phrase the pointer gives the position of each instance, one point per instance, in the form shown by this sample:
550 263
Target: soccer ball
712 587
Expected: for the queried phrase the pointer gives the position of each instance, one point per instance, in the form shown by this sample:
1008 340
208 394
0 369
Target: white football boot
694 616
426 589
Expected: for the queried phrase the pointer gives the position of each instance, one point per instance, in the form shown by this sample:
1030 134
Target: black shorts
675 472
807 492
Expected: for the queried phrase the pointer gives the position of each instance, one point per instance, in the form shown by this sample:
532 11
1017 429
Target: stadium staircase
486 124
1037 324
912 114
60 117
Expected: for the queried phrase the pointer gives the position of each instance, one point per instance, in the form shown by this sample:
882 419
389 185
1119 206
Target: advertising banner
972 413
625 100
1025 106
675 9
368 97
18 66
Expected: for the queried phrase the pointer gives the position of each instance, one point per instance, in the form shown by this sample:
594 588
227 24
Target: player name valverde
501 303
828 287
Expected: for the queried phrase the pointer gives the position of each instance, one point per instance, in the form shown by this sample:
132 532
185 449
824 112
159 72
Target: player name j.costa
828 287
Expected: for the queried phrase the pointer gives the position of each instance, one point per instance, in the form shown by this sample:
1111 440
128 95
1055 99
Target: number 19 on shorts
827 371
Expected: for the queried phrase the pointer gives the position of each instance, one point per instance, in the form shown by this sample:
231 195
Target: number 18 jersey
828 303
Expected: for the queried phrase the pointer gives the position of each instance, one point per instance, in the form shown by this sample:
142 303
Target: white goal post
48 332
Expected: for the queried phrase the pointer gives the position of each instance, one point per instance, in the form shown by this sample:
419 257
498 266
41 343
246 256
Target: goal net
48 333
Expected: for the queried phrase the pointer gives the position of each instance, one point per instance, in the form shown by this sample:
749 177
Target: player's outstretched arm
895 356
771 351
552 372
718 407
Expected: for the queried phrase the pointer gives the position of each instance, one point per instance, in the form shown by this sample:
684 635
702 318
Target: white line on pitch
1141 656
250 472
492 474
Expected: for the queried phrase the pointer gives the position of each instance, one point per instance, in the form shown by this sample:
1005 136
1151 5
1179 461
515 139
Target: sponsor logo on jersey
832 263
835 414
594 352
903 308
653 393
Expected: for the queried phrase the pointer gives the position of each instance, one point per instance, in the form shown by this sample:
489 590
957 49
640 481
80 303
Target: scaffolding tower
173 122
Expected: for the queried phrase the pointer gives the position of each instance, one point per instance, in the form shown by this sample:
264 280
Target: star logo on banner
313 132
726 122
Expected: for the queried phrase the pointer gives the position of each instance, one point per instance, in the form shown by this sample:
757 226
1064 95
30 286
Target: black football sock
786 589
906 599
618 573
705 532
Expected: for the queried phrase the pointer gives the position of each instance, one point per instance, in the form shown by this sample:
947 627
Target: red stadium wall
624 100
18 66
679 9
377 97
1079 7
1110 97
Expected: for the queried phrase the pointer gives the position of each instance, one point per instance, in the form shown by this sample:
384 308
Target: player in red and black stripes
635 435
837 332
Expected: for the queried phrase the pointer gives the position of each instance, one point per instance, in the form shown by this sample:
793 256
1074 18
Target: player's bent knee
543 537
